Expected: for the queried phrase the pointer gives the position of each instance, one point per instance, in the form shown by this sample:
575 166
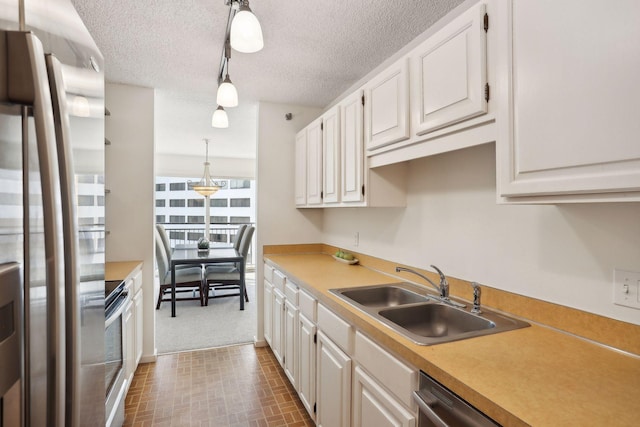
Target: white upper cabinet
300 178
352 148
387 106
449 74
331 155
314 163
571 83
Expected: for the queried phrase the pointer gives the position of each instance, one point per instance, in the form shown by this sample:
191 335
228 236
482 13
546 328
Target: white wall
130 177
279 222
558 253
192 166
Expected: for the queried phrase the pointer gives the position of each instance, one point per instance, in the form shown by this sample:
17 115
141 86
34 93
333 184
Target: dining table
194 256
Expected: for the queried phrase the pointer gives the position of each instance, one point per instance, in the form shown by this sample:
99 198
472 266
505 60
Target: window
240 183
160 203
240 220
177 186
194 236
195 219
176 235
161 187
176 219
195 203
85 200
219 203
176 203
86 179
241 203
219 220
100 200
100 179
222 238
160 219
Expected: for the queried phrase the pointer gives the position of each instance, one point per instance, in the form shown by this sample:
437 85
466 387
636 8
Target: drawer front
307 305
291 292
268 273
340 332
279 280
399 378
137 282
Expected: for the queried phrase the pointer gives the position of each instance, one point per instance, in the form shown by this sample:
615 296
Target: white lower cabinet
277 341
307 363
128 327
290 359
373 406
137 306
333 376
268 310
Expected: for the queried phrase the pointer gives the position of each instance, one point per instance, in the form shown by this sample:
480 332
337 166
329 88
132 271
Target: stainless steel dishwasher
440 407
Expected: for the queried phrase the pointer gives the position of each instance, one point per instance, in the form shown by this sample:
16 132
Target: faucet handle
476 298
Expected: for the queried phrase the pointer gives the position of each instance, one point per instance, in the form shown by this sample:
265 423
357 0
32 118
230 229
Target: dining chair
238 238
187 279
227 277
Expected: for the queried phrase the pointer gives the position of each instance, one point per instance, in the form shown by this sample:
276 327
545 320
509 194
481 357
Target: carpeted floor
218 324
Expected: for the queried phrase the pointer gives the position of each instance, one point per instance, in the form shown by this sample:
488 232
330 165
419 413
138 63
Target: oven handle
424 399
124 296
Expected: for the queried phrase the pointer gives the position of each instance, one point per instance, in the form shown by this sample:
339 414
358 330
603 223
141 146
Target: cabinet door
291 352
314 163
352 148
268 311
331 155
334 385
300 179
137 302
375 407
387 106
449 74
277 339
574 95
307 363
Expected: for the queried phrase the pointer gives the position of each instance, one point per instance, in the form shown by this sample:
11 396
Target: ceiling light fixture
220 118
246 33
207 186
227 94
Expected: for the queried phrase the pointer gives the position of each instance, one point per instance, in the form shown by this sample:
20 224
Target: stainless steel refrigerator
52 321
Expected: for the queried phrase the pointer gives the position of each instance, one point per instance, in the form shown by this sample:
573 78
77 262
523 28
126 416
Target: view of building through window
182 211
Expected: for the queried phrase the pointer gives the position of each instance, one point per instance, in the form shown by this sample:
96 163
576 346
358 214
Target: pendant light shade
246 33
227 94
220 119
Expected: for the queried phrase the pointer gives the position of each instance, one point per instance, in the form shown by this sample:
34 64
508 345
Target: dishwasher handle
425 400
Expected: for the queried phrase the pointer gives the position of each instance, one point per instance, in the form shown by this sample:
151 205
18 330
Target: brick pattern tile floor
230 386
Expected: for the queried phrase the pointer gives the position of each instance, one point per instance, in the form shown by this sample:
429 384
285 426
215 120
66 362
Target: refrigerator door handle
27 84
70 228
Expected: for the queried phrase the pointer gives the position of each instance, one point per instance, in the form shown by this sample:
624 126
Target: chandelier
207 186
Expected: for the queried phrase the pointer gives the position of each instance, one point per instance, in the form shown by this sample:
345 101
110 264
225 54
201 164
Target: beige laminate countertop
120 270
533 376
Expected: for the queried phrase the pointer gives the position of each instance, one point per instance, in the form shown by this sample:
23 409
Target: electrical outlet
626 288
356 238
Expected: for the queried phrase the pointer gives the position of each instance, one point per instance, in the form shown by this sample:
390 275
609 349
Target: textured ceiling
314 51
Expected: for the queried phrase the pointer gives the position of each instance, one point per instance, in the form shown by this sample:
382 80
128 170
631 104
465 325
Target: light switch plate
626 288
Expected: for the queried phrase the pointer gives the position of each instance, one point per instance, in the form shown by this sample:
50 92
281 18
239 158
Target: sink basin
436 320
382 296
407 309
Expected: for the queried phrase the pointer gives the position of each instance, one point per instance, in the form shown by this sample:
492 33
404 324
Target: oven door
114 361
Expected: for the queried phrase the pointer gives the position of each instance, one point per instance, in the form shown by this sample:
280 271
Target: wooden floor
230 386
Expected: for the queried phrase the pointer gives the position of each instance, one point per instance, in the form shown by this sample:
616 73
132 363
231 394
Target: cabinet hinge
315 338
486 92
486 22
362 190
362 99
314 408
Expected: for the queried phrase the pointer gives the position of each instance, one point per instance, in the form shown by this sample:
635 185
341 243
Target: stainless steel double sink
424 319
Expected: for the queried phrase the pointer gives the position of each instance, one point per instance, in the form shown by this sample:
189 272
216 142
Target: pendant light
246 33
207 187
227 94
220 118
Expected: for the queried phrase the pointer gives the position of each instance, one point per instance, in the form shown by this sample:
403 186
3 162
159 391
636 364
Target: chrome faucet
442 288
